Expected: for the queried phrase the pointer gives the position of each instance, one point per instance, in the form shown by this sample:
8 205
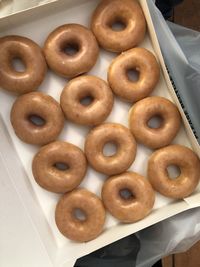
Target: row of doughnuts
12 47
49 176
38 104
126 208
45 170
139 59
77 37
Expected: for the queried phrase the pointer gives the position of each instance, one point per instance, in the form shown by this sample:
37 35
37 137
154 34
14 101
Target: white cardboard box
37 23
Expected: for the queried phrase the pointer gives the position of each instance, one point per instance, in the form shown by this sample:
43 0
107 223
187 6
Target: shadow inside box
122 253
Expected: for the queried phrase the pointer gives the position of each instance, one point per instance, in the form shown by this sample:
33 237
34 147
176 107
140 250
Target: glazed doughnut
46 171
70 225
126 12
42 106
144 110
17 47
110 133
140 60
73 36
80 88
133 207
189 166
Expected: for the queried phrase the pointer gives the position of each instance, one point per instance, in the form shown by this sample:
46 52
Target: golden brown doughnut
71 226
144 110
87 86
42 106
46 171
133 207
189 166
140 60
127 12
71 36
110 133
18 47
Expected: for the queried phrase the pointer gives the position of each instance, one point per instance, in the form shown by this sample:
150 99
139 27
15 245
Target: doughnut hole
36 120
117 23
118 26
61 166
110 149
86 100
126 194
79 215
71 48
155 122
173 171
133 75
18 64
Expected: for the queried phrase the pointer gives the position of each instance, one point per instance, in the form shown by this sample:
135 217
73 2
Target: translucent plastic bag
181 54
180 47
176 234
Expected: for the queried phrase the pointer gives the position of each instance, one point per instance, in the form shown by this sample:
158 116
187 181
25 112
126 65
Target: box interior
37 28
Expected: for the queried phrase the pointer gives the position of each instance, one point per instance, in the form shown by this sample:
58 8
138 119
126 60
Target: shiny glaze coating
71 35
127 12
110 133
38 104
146 109
140 60
130 209
73 228
87 86
18 47
49 176
189 166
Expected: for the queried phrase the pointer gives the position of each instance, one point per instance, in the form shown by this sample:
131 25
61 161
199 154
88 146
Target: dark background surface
185 13
188 14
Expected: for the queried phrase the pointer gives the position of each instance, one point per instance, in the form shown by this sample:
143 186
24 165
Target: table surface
188 14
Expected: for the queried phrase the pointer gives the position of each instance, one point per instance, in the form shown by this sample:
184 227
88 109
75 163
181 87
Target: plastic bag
181 58
176 234
180 48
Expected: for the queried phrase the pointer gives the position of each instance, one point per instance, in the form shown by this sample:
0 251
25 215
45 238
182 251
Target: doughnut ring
73 36
18 47
90 205
140 60
36 104
126 12
131 208
110 133
49 176
80 88
144 110
182 157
